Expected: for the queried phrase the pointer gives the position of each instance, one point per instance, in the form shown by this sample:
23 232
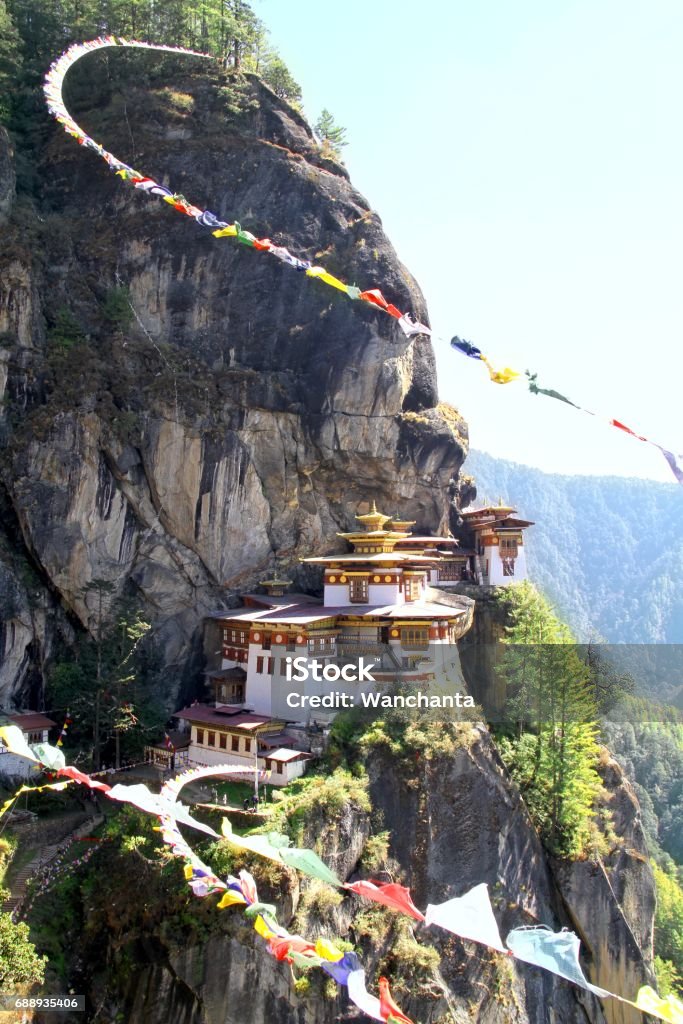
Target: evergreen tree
554 752
10 60
109 686
331 134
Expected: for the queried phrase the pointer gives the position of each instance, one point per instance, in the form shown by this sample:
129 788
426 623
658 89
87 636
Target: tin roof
227 716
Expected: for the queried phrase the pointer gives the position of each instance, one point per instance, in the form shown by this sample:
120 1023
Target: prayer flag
390 894
309 863
78 776
15 741
557 952
669 1009
409 326
359 995
340 969
306 961
504 376
230 898
327 950
466 347
469 916
255 844
387 1006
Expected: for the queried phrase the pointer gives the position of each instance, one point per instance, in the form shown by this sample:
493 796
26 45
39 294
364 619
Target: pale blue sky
527 162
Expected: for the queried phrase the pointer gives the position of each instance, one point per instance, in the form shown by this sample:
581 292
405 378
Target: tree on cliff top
331 134
553 756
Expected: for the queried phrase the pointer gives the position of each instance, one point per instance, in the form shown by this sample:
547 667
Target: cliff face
239 413
454 819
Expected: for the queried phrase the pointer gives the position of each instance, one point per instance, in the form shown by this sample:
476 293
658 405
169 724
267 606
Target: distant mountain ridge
607 551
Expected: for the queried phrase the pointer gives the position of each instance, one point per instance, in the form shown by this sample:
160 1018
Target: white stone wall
496 577
13 766
384 593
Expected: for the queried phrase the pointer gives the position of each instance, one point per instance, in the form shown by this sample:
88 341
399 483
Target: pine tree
554 753
331 134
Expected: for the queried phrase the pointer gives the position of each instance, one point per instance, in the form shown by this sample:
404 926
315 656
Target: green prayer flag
309 863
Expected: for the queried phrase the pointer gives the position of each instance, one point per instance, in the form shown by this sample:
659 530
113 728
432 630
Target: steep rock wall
454 819
238 414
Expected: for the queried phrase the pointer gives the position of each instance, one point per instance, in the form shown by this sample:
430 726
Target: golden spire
373 520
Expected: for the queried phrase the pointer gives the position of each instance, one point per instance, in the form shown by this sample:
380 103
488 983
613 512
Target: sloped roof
31 721
227 716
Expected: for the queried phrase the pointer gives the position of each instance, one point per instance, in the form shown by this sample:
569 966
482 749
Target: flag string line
53 86
470 916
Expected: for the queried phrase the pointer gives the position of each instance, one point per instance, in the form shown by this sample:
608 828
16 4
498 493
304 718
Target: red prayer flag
77 776
622 426
392 311
375 296
387 1007
391 895
280 947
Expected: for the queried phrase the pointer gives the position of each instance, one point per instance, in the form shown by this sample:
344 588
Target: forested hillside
608 551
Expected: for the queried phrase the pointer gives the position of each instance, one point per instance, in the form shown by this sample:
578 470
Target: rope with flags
54 81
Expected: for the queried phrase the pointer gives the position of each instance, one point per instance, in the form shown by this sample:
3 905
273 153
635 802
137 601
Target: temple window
200 736
235 743
212 739
414 638
222 740
358 590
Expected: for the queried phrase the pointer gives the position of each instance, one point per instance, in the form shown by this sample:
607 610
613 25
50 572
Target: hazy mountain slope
608 551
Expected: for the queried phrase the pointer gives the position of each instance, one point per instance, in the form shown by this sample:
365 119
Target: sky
526 160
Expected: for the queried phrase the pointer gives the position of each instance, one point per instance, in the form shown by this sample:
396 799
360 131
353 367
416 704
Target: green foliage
669 920
8 846
315 796
19 962
331 134
669 981
109 685
34 32
117 309
553 755
375 851
276 74
409 735
650 750
65 332
10 60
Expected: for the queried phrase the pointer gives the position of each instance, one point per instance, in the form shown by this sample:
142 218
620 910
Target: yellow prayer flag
188 871
327 950
669 1009
504 376
230 230
322 275
7 804
229 898
262 928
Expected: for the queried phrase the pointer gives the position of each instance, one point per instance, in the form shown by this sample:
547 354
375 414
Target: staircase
45 855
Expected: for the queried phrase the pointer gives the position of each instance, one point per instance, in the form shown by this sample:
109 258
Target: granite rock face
454 820
183 413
